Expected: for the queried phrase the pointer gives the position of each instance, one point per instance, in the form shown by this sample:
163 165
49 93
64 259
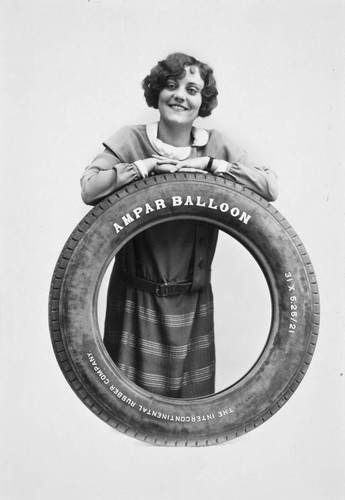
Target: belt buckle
162 289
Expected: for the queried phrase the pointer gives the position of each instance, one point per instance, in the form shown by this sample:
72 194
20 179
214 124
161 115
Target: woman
159 319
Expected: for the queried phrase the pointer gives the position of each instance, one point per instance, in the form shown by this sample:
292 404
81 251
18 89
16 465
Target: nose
180 94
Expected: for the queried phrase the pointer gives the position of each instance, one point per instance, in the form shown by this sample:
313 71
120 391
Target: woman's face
179 102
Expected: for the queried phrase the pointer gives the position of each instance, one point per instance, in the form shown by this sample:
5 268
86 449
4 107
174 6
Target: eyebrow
195 84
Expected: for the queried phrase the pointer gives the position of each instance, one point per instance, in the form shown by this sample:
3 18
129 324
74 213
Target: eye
193 90
171 86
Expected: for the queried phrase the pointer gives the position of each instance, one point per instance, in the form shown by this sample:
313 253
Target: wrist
220 167
142 168
215 166
209 164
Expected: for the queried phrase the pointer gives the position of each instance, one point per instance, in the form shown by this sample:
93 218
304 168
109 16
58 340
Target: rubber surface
78 343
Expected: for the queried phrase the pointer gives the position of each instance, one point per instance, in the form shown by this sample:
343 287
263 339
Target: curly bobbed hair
174 66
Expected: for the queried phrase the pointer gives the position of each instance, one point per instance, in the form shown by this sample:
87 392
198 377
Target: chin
182 120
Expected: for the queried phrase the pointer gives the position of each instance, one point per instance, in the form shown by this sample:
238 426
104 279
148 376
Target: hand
150 164
164 165
199 163
169 165
159 164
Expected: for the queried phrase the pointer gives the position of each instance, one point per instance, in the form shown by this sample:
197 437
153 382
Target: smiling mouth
177 107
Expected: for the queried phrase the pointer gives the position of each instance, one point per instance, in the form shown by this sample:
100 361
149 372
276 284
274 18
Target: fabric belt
160 289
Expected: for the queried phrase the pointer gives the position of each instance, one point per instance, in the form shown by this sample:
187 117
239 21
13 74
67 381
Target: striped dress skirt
164 344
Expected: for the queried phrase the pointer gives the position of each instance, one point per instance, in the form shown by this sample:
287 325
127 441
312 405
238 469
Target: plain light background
70 76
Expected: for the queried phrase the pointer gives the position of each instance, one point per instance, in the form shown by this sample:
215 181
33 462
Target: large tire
77 340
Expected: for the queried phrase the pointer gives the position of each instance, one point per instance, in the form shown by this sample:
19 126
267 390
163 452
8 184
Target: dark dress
166 344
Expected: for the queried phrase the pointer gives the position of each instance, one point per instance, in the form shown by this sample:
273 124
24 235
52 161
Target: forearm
104 176
261 180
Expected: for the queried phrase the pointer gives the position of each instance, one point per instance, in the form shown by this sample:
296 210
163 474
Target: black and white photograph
172 249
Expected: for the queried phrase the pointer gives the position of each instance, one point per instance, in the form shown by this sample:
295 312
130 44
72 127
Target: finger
182 164
177 167
186 169
162 169
167 161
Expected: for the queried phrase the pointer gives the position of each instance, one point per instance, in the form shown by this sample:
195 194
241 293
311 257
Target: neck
178 135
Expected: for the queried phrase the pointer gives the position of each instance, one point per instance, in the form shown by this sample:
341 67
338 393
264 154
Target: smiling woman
159 293
179 103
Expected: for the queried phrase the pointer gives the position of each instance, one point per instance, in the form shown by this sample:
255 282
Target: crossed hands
161 165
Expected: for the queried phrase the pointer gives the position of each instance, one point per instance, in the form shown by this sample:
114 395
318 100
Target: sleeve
237 167
105 175
262 180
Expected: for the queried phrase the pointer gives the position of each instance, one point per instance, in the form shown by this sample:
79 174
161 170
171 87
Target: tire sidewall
287 269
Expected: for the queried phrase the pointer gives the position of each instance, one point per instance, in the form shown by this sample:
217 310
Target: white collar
200 138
